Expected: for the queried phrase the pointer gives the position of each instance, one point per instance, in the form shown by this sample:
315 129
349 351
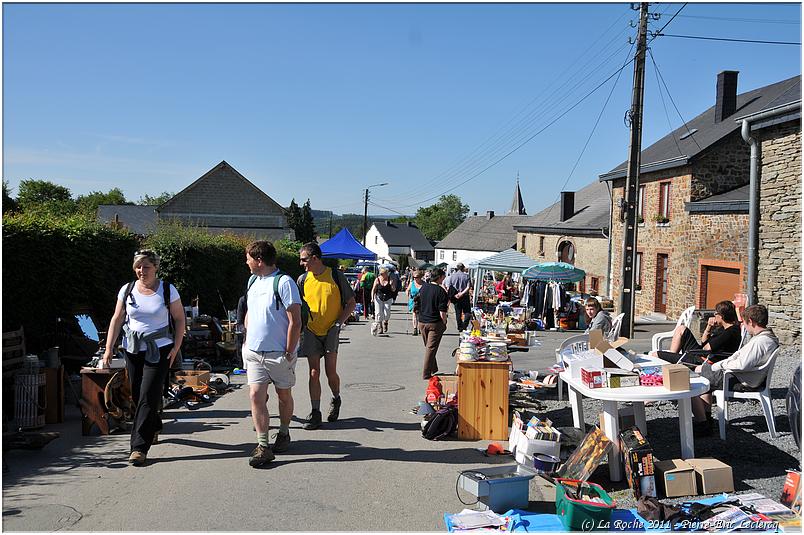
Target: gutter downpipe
753 213
610 187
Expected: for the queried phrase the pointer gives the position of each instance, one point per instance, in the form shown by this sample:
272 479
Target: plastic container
499 488
583 515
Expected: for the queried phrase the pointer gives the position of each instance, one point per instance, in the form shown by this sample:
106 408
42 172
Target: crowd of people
283 319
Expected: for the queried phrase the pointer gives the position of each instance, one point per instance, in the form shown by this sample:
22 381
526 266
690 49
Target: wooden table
93 407
483 400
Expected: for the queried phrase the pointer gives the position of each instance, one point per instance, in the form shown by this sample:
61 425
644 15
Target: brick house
692 245
574 230
777 132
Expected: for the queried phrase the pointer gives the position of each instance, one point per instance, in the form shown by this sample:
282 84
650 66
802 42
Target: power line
668 22
659 72
727 39
565 112
736 19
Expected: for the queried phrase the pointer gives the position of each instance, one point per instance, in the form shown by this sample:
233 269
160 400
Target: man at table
744 363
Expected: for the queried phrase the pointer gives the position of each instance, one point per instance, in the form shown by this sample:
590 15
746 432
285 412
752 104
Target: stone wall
723 167
779 273
688 240
591 253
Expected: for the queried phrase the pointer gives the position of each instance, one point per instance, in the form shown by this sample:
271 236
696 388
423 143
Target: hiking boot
334 409
415 331
281 442
260 456
137 458
313 421
385 327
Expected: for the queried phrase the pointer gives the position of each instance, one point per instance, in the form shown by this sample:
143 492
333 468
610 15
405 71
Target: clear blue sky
320 101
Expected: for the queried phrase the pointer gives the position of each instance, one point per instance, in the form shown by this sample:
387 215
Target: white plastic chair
684 319
616 325
578 343
763 396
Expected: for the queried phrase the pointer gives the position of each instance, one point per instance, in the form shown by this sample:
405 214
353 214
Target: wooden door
660 301
721 284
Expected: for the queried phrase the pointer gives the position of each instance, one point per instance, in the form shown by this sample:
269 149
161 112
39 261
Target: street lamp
365 207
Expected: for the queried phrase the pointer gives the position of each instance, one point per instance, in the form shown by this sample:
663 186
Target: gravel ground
758 462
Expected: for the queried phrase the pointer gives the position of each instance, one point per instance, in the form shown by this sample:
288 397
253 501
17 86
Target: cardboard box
193 377
621 379
676 477
533 446
613 357
676 377
593 377
638 460
712 476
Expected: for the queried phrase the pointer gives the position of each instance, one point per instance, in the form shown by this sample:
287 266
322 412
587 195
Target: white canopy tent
509 261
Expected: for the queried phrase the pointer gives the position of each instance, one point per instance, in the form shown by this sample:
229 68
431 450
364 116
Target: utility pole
365 215
330 225
629 205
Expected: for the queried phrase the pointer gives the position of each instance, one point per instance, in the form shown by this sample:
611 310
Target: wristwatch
288 355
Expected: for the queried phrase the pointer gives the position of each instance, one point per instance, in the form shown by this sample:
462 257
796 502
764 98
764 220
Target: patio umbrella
554 271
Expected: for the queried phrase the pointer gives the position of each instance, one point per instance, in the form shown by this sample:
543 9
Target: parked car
793 403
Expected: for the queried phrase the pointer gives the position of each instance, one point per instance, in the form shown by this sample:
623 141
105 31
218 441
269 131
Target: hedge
59 267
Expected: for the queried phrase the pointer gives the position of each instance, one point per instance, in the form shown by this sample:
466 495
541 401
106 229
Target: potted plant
659 218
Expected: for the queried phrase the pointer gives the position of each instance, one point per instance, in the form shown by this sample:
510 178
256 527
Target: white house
390 241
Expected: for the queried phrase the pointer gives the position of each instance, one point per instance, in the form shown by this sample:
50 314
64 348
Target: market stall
546 293
344 245
508 261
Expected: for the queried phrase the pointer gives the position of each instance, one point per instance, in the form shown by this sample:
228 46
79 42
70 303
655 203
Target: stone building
692 239
777 132
222 200
574 230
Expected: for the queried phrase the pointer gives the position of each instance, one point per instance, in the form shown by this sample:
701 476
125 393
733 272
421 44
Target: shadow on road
364 424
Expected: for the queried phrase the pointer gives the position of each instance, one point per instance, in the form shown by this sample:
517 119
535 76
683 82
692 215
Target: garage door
721 284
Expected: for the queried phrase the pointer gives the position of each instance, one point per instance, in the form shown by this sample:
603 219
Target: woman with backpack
150 313
382 294
413 290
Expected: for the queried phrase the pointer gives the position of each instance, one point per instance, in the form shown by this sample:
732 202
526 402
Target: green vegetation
438 220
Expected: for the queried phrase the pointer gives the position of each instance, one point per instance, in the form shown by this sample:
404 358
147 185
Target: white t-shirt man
268 326
147 313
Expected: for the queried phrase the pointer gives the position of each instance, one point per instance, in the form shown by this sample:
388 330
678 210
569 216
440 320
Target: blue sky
321 100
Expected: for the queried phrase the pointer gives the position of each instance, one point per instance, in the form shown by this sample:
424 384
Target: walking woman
153 329
382 294
413 290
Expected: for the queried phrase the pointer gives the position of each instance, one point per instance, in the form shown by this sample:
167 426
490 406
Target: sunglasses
304 259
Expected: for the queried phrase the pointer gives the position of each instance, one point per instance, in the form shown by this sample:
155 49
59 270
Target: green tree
88 204
307 225
9 204
439 219
45 196
295 219
162 198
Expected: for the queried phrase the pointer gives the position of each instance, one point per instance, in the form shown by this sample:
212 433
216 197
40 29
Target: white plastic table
637 395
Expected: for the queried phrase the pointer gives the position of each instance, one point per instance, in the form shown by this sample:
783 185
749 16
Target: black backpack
442 424
165 298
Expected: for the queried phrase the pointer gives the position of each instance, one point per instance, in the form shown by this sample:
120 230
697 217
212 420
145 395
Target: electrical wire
736 19
562 114
729 40
656 34
659 72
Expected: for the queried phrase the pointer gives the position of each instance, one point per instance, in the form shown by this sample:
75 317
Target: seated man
722 335
745 362
598 318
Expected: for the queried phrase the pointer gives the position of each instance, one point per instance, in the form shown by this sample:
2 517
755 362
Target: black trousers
463 312
147 383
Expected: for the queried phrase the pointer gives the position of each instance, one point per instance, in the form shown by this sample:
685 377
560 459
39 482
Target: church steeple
517 206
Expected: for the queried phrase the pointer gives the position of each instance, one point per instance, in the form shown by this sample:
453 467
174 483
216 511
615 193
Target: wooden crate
483 400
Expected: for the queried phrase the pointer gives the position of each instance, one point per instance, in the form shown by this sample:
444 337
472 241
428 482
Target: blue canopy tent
344 245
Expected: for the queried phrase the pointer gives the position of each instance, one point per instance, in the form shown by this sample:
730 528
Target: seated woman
722 335
598 318
744 363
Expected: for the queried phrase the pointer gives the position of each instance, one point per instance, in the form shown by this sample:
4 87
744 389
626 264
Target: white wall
463 256
376 244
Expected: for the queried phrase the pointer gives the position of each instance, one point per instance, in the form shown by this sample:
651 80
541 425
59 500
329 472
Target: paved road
370 471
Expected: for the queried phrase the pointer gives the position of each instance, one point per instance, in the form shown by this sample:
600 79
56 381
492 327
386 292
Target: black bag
442 424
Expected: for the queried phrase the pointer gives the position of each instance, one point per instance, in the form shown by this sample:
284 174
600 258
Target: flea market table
637 395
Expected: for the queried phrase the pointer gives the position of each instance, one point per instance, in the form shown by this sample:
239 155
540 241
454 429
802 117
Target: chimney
567 205
387 223
489 214
726 100
474 214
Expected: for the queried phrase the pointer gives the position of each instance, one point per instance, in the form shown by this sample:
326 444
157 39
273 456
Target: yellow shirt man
324 299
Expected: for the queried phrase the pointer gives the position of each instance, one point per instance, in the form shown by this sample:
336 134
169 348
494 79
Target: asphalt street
370 471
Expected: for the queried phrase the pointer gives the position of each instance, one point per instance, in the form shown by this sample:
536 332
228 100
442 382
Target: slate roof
734 201
403 235
517 205
138 219
591 214
665 153
479 233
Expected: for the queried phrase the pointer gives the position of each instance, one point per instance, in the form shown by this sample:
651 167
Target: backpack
442 424
165 298
336 276
278 298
